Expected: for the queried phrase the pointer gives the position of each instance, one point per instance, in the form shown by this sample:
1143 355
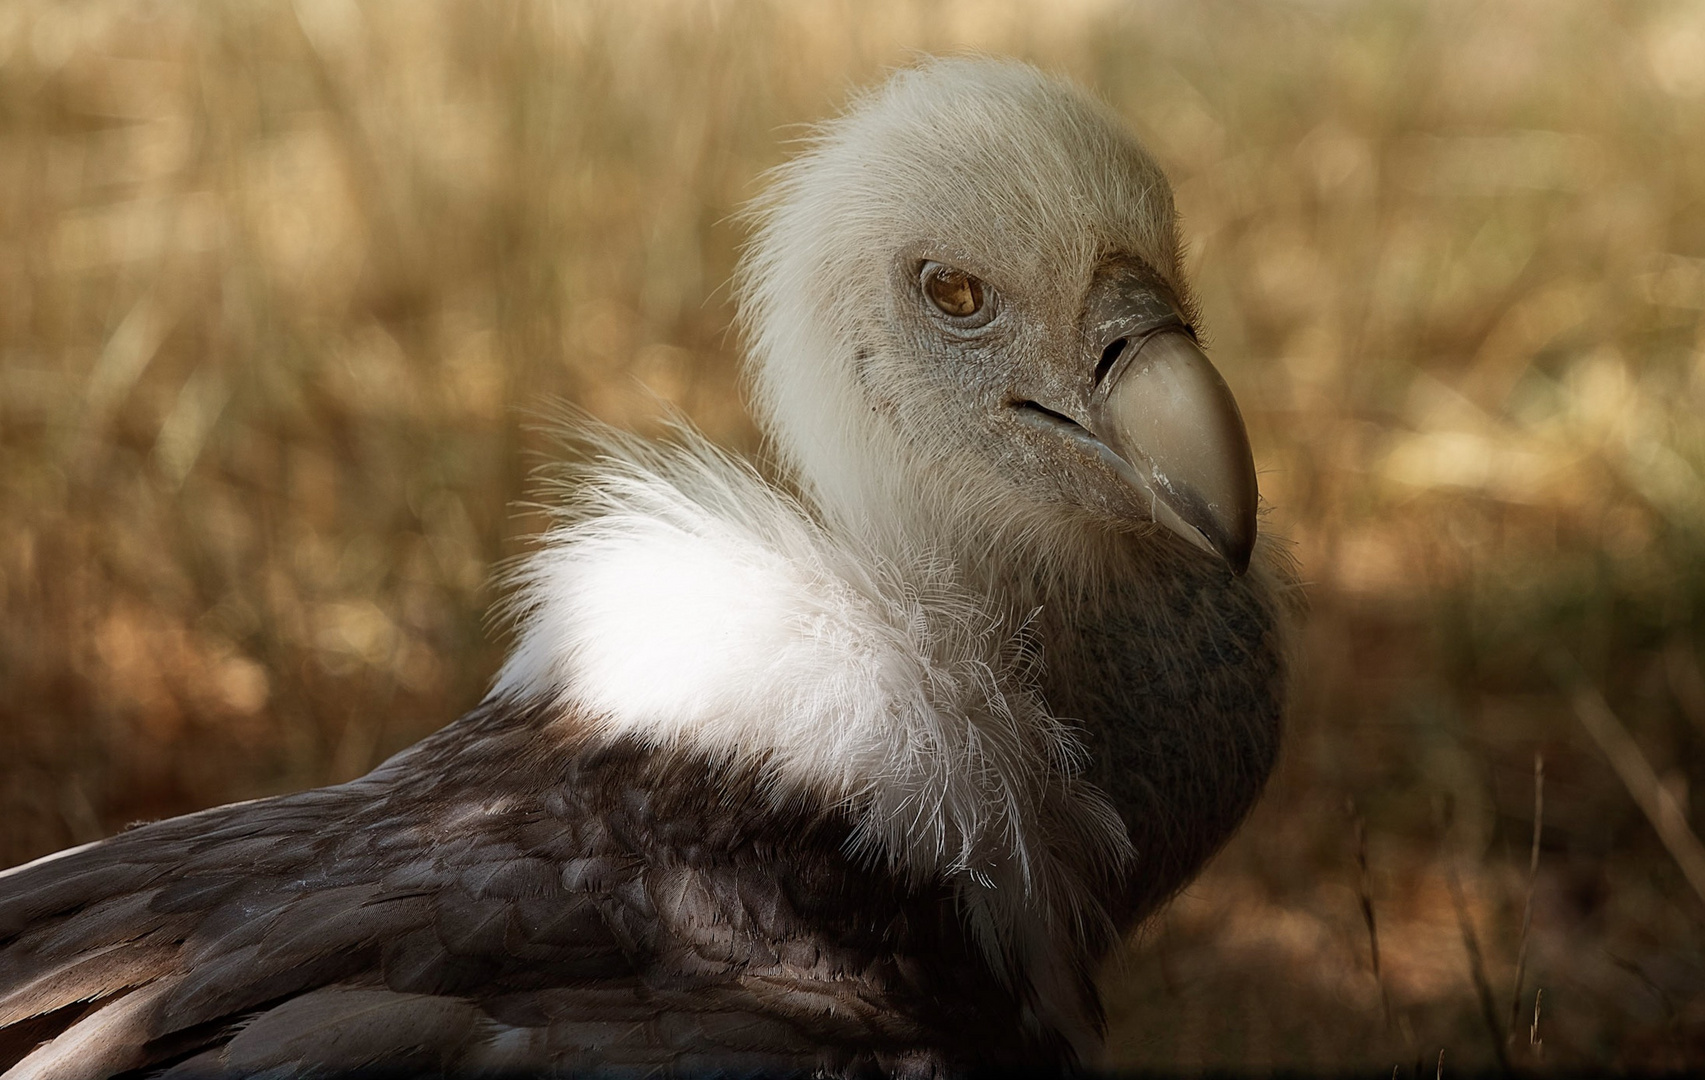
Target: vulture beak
1170 421
1162 416
1177 436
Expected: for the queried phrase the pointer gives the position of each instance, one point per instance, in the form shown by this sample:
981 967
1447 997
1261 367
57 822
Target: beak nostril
1109 356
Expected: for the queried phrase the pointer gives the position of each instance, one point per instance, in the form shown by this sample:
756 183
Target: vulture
859 766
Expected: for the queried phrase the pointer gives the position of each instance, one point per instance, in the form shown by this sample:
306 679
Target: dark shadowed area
286 290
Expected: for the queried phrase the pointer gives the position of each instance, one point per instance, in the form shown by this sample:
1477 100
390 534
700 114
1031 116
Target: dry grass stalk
1527 902
1654 800
1364 893
1533 1039
1476 969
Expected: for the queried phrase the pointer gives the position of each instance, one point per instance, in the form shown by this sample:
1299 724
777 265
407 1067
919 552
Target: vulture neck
1170 666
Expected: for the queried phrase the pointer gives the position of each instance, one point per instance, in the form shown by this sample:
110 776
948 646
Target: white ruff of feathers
683 602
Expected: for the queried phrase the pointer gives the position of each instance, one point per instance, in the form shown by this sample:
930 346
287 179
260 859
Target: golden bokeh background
286 287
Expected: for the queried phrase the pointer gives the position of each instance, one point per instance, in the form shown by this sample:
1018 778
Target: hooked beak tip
1236 552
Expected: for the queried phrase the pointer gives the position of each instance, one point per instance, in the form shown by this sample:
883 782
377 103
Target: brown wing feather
346 1029
88 976
546 909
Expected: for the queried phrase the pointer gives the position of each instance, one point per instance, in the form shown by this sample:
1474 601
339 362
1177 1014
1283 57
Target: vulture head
970 327
861 769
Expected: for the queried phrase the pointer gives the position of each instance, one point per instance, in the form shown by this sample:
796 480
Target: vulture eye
964 299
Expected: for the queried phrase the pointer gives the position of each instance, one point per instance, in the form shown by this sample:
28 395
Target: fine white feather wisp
682 601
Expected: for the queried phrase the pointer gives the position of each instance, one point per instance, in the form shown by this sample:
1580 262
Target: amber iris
954 292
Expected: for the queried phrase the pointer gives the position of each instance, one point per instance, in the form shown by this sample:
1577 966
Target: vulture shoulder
577 917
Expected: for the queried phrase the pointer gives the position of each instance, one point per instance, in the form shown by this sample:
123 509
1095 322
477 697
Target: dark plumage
611 909
862 780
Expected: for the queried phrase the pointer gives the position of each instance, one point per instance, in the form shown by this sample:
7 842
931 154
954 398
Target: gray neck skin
1175 671
1172 666
1178 679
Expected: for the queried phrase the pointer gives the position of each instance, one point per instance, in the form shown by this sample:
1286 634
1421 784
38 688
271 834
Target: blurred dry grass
280 283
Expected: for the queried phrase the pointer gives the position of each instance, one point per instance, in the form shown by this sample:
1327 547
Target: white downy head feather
991 160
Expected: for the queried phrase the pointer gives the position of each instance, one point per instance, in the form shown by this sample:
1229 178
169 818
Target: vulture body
862 775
